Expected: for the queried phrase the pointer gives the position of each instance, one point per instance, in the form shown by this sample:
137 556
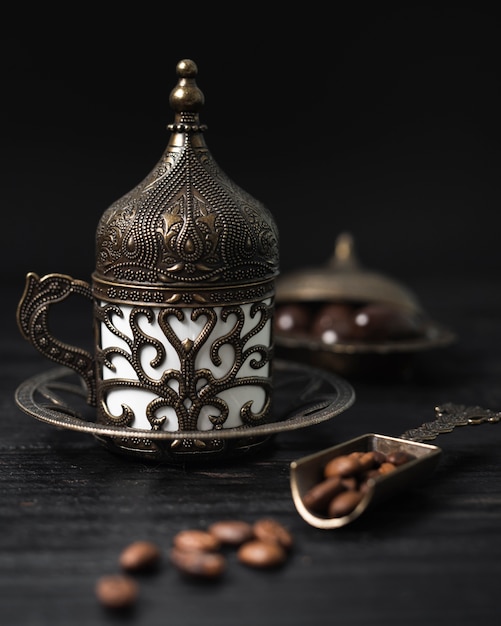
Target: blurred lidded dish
351 319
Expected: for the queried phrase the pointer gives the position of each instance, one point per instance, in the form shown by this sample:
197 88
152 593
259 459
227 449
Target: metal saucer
303 396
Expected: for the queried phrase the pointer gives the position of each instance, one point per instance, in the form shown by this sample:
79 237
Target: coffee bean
197 553
262 554
195 539
268 529
386 467
318 497
117 591
232 531
344 465
198 563
371 459
349 482
139 555
344 503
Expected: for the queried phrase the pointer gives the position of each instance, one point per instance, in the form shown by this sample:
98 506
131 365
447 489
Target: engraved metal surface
186 225
302 397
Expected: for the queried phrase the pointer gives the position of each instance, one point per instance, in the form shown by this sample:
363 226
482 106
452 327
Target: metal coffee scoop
307 472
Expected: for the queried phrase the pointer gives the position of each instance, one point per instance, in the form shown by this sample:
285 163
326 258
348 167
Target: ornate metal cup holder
303 396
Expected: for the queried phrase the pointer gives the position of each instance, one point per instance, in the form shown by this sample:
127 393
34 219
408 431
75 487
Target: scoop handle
33 322
447 417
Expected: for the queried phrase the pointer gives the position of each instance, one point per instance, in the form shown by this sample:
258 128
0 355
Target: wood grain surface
430 555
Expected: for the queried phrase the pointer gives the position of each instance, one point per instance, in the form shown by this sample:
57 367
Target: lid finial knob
186 95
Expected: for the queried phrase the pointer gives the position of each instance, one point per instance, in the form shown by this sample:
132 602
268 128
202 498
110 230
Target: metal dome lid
343 278
186 226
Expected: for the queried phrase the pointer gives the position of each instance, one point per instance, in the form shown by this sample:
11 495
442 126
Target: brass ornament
186 234
183 294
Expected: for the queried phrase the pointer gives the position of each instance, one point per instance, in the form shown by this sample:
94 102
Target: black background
379 121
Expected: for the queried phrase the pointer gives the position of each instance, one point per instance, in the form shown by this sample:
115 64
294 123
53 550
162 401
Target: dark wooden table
431 555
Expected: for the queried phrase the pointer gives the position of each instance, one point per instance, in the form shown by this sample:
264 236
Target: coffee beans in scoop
344 480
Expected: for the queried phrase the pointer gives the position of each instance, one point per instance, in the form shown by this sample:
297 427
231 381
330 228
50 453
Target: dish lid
343 278
186 226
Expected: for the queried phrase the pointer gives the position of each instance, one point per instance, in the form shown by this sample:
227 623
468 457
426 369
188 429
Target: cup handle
33 321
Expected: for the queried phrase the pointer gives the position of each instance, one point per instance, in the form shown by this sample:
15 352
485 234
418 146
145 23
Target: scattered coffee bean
117 591
195 539
139 555
268 529
262 554
232 532
197 553
199 563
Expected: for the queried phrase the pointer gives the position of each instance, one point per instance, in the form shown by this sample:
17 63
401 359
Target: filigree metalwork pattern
33 322
447 417
190 387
